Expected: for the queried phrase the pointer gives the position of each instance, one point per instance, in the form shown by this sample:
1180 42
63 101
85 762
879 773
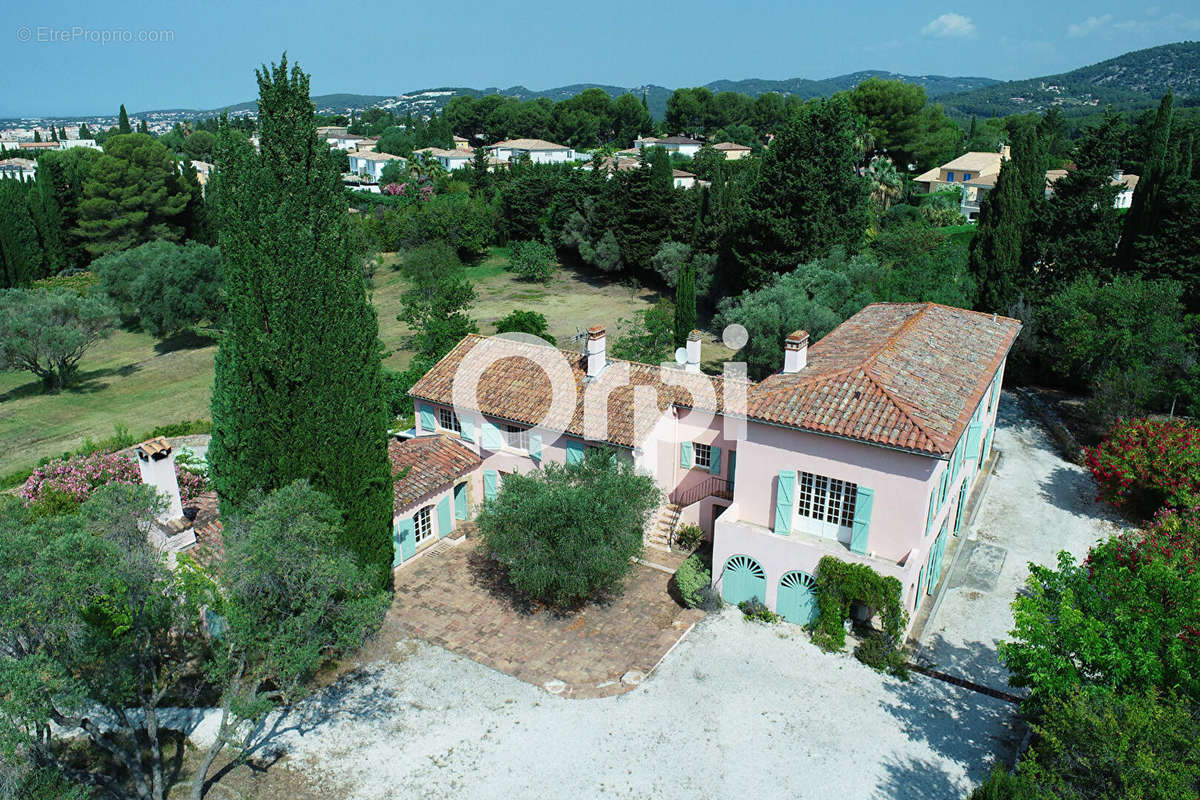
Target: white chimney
795 352
693 352
596 355
156 461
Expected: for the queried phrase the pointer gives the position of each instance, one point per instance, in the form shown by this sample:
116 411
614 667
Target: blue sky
55 61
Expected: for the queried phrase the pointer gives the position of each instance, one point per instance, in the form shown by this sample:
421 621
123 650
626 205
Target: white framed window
449 420
826 499
701 455
515 436
423 524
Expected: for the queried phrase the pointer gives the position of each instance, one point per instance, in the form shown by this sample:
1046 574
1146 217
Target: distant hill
1128 82
656 96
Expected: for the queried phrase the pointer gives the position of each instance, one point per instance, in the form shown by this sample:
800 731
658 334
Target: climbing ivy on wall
839 586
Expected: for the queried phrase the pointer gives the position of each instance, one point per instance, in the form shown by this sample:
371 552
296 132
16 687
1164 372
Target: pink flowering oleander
79 476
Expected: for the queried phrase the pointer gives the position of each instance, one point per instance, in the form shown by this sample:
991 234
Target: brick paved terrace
455 598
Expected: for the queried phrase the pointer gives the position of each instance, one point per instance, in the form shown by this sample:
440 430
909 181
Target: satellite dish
681 355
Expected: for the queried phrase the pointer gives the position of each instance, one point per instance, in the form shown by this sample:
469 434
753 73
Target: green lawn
133 380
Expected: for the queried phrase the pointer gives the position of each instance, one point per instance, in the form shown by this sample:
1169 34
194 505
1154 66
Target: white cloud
950 25
1088 25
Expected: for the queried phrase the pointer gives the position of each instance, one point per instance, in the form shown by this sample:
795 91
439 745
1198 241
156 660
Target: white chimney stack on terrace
156 461
795 352
693 352
596 355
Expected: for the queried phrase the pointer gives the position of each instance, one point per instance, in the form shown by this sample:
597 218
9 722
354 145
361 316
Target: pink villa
864 446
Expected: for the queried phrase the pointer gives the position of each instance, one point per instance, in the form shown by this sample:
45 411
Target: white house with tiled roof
865 446
369 164
539 151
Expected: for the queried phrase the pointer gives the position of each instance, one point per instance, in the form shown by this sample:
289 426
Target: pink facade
911 504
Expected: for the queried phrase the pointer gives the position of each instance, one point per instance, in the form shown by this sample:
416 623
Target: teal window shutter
468 428
862 520
973 439
535 446
732 467
685 455
574 452
460 501
714 463
406 536
490 482
492 440
932 510
427 423
785 492
443 512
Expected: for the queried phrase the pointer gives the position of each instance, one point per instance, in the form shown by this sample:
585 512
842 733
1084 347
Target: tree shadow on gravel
916 779
962 724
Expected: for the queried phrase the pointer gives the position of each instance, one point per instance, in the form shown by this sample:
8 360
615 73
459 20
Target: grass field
133 380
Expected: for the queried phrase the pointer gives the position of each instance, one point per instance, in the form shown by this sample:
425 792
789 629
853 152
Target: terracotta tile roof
671 140
209 550
152 447
679 173
528 144
516 388
906 375
730 146
431 463
368 155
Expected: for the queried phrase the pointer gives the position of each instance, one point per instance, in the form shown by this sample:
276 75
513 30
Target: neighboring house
23 169
672 144
974 172
370 165
461 143
432 491
538 150
67 144
329 131
347 141
451 159
682 179
732 150
865 446
1127 183
40 147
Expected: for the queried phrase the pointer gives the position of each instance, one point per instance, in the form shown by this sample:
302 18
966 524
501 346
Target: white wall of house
536 156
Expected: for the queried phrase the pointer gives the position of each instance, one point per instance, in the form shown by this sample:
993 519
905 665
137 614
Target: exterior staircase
659 536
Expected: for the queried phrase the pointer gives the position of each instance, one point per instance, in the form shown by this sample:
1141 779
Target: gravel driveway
1036 505
738 709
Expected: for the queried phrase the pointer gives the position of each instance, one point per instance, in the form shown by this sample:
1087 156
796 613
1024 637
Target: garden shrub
533 261
689 536
77 477
877 652
755 609
839 586
692 577
1144 465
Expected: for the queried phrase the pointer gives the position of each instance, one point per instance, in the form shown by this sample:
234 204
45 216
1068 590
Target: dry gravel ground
1036 505
738 709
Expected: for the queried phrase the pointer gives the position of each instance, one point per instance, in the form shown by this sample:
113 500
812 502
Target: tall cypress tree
685 303
1144 210
84 133
123 121
21 256
298 391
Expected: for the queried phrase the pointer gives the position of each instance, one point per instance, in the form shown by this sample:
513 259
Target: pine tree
685 303
123 121
298 391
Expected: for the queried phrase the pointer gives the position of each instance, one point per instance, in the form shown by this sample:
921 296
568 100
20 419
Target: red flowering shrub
79 476
1144 465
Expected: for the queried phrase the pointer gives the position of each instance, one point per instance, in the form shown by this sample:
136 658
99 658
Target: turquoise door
460 501
958 513
404 542
732 467
743 579
797 600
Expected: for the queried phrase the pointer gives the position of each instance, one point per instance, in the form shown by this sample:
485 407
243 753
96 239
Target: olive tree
47 331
